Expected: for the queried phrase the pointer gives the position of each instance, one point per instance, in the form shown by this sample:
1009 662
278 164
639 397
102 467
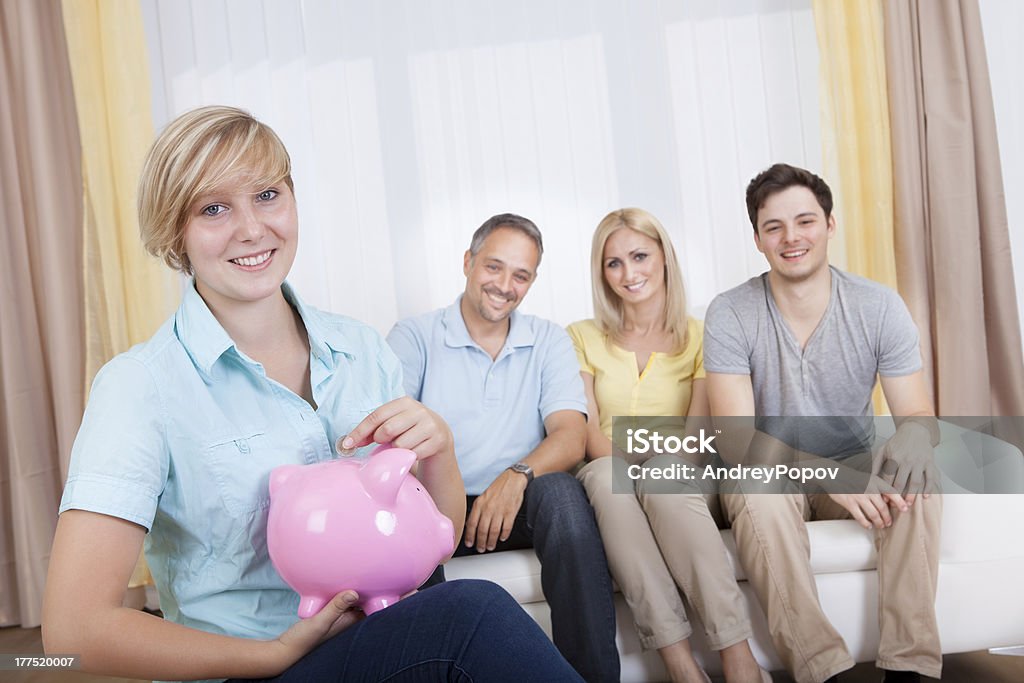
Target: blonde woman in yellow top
642 355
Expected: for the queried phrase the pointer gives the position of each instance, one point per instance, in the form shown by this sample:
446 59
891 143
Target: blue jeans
557 521
462 631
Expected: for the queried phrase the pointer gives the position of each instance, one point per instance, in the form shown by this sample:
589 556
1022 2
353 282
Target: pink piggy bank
366 525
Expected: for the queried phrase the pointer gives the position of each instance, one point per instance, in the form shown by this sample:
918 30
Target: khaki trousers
771 537
658 541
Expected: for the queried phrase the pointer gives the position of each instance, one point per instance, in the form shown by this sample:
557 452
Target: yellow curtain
127 293
855 135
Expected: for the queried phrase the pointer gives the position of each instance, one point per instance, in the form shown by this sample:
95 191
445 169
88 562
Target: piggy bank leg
310 605
379 602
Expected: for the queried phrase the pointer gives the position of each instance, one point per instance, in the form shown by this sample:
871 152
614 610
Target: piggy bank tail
310 605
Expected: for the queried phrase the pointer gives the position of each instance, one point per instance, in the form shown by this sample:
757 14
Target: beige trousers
658 541
771 537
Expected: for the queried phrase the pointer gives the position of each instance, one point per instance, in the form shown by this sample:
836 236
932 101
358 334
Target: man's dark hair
781 177
506 220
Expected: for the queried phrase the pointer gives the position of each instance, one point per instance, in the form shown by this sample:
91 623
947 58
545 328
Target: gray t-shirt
866 331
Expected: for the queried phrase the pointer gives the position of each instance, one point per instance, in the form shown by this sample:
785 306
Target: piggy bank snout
280 475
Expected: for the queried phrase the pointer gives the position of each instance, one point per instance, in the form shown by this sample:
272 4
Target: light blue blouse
180 435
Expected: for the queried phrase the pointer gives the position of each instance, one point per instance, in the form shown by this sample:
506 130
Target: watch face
521 467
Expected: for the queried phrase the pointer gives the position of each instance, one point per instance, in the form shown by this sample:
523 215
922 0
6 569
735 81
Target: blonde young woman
181 433
642 355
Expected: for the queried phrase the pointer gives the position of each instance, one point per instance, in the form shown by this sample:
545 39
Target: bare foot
739 665
681 666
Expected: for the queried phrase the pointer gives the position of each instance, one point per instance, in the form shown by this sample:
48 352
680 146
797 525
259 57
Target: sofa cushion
835 546
517 571
975 528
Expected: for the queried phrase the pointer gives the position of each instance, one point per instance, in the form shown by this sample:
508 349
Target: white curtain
411 122
1002 22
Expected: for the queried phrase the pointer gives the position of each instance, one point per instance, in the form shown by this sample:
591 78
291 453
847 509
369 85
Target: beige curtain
951 236
41 361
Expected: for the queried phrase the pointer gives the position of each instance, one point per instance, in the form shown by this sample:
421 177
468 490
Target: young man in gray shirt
806 339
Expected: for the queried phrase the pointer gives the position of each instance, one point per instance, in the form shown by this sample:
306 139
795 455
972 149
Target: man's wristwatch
523 468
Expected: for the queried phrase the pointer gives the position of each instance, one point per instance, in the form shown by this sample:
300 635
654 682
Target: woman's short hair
608 309
193 155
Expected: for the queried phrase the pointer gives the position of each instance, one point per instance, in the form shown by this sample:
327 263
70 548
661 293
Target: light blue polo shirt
495 408
180 435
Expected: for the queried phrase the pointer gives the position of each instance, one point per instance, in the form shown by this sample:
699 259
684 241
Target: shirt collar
199 332
520 331
206 340
324 340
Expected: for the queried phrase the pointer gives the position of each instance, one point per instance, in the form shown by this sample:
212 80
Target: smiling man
509 386
806 339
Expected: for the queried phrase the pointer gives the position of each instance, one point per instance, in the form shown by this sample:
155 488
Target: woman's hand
404 423
306 634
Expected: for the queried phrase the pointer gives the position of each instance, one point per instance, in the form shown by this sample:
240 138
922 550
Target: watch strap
522 468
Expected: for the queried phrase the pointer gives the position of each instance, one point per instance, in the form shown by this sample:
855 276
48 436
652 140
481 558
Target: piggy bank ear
280 475
384 472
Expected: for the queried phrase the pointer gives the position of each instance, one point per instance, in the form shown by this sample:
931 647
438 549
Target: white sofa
980 602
